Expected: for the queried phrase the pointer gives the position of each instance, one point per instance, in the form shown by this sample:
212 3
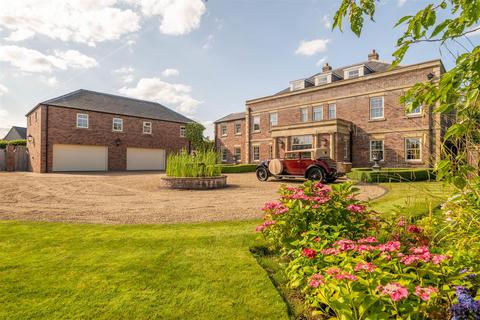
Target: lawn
188 271
199 271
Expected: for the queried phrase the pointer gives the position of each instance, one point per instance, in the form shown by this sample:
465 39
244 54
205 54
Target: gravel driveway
133 198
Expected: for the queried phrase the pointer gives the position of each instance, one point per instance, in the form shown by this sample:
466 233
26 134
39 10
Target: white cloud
30 60
176 17
400 3
49 81
3 90
321 61
84 21
126 74
170 72
209 129
309 48
208 42
326 21
177 95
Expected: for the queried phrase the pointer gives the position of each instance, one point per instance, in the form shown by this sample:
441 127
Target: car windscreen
291 156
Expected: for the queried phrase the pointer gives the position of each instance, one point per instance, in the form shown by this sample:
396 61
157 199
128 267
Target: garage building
93 131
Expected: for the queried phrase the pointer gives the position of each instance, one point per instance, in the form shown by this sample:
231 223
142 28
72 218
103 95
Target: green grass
239 168
199 271
412 198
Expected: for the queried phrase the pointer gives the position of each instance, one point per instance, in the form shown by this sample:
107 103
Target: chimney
373 55
326 67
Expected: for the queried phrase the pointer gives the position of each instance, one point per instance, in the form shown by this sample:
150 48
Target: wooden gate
3 160
21 158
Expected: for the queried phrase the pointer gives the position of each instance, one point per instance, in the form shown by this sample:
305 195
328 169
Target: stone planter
203 183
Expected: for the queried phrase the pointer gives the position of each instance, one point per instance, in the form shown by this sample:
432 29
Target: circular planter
201 183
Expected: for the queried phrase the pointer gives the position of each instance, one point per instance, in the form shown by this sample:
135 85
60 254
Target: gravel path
134 198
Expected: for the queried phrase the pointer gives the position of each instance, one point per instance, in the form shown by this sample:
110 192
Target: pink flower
419 250
437 259
365 266
425 293
366 247
309 253
345 245
414 229
264 225
389 246
396 291
319 185
368 240
333 271
345 276
275 207
356 208
315 281
330 251
402 222
317 239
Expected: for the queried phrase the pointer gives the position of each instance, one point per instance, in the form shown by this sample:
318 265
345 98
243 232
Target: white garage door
145 159
74 157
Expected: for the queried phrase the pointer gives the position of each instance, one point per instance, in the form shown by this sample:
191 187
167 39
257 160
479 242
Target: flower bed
349 263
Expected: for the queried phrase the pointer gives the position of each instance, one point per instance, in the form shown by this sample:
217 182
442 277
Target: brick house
349 115
16 133
92 131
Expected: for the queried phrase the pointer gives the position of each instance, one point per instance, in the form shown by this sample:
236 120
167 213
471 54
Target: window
332 111
319 80
413 149
237 152
256 153
303 114
273 119
415 112
292 156
376 148
306 155
346 148
224 154
183 132
270 152
147 127
301 142
256 123
318 113
117 124
297 85
238 128
82 120
353 73
376 108
223 130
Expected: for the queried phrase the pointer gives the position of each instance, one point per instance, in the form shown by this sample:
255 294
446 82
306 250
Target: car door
292 163
305 161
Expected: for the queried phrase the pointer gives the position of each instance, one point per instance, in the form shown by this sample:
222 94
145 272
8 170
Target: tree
194 135
457 91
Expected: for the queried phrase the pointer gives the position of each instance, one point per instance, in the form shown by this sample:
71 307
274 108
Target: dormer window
354 72
323 79
299 84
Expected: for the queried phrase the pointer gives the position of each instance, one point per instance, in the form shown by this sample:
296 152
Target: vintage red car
298 164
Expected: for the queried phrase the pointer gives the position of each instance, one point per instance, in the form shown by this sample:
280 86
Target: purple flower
466 305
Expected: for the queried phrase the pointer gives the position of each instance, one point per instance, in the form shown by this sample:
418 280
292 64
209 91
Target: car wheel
315 174
262 174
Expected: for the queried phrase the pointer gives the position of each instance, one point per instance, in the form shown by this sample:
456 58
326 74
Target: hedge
239 168
392 174
3 143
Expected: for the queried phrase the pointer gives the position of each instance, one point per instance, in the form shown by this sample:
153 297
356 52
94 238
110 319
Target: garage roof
109 103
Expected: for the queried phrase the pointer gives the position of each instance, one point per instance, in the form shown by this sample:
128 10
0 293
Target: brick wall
36 124
62 130
231 140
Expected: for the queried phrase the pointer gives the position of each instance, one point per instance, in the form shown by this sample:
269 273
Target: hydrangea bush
348 263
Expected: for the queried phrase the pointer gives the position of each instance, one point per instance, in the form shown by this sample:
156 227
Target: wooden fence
14 159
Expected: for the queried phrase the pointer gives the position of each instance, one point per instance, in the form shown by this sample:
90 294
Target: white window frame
254 120
382 108
302 110
273 115
257 158
147 124
320 109
297 85
239 159
383 149
120 121
239 124
406 149
308 141
332 109
224 154
223 130
359 69
183 131
413 113
79 115
322 79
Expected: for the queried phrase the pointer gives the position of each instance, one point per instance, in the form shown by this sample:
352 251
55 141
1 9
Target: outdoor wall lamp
30 138
118 142
430 76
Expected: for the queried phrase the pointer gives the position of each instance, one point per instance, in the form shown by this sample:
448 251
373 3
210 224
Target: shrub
239 168
392 175
3 143
349 264
200 164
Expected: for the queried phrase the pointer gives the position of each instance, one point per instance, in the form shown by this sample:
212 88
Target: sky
203 59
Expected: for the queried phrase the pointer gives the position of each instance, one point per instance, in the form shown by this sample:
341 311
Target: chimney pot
373 55
326 67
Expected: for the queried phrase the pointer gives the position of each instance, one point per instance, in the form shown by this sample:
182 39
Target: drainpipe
46 139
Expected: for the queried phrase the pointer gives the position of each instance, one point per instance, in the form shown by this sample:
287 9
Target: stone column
247 135
315 141
332 145
287 141
275 148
